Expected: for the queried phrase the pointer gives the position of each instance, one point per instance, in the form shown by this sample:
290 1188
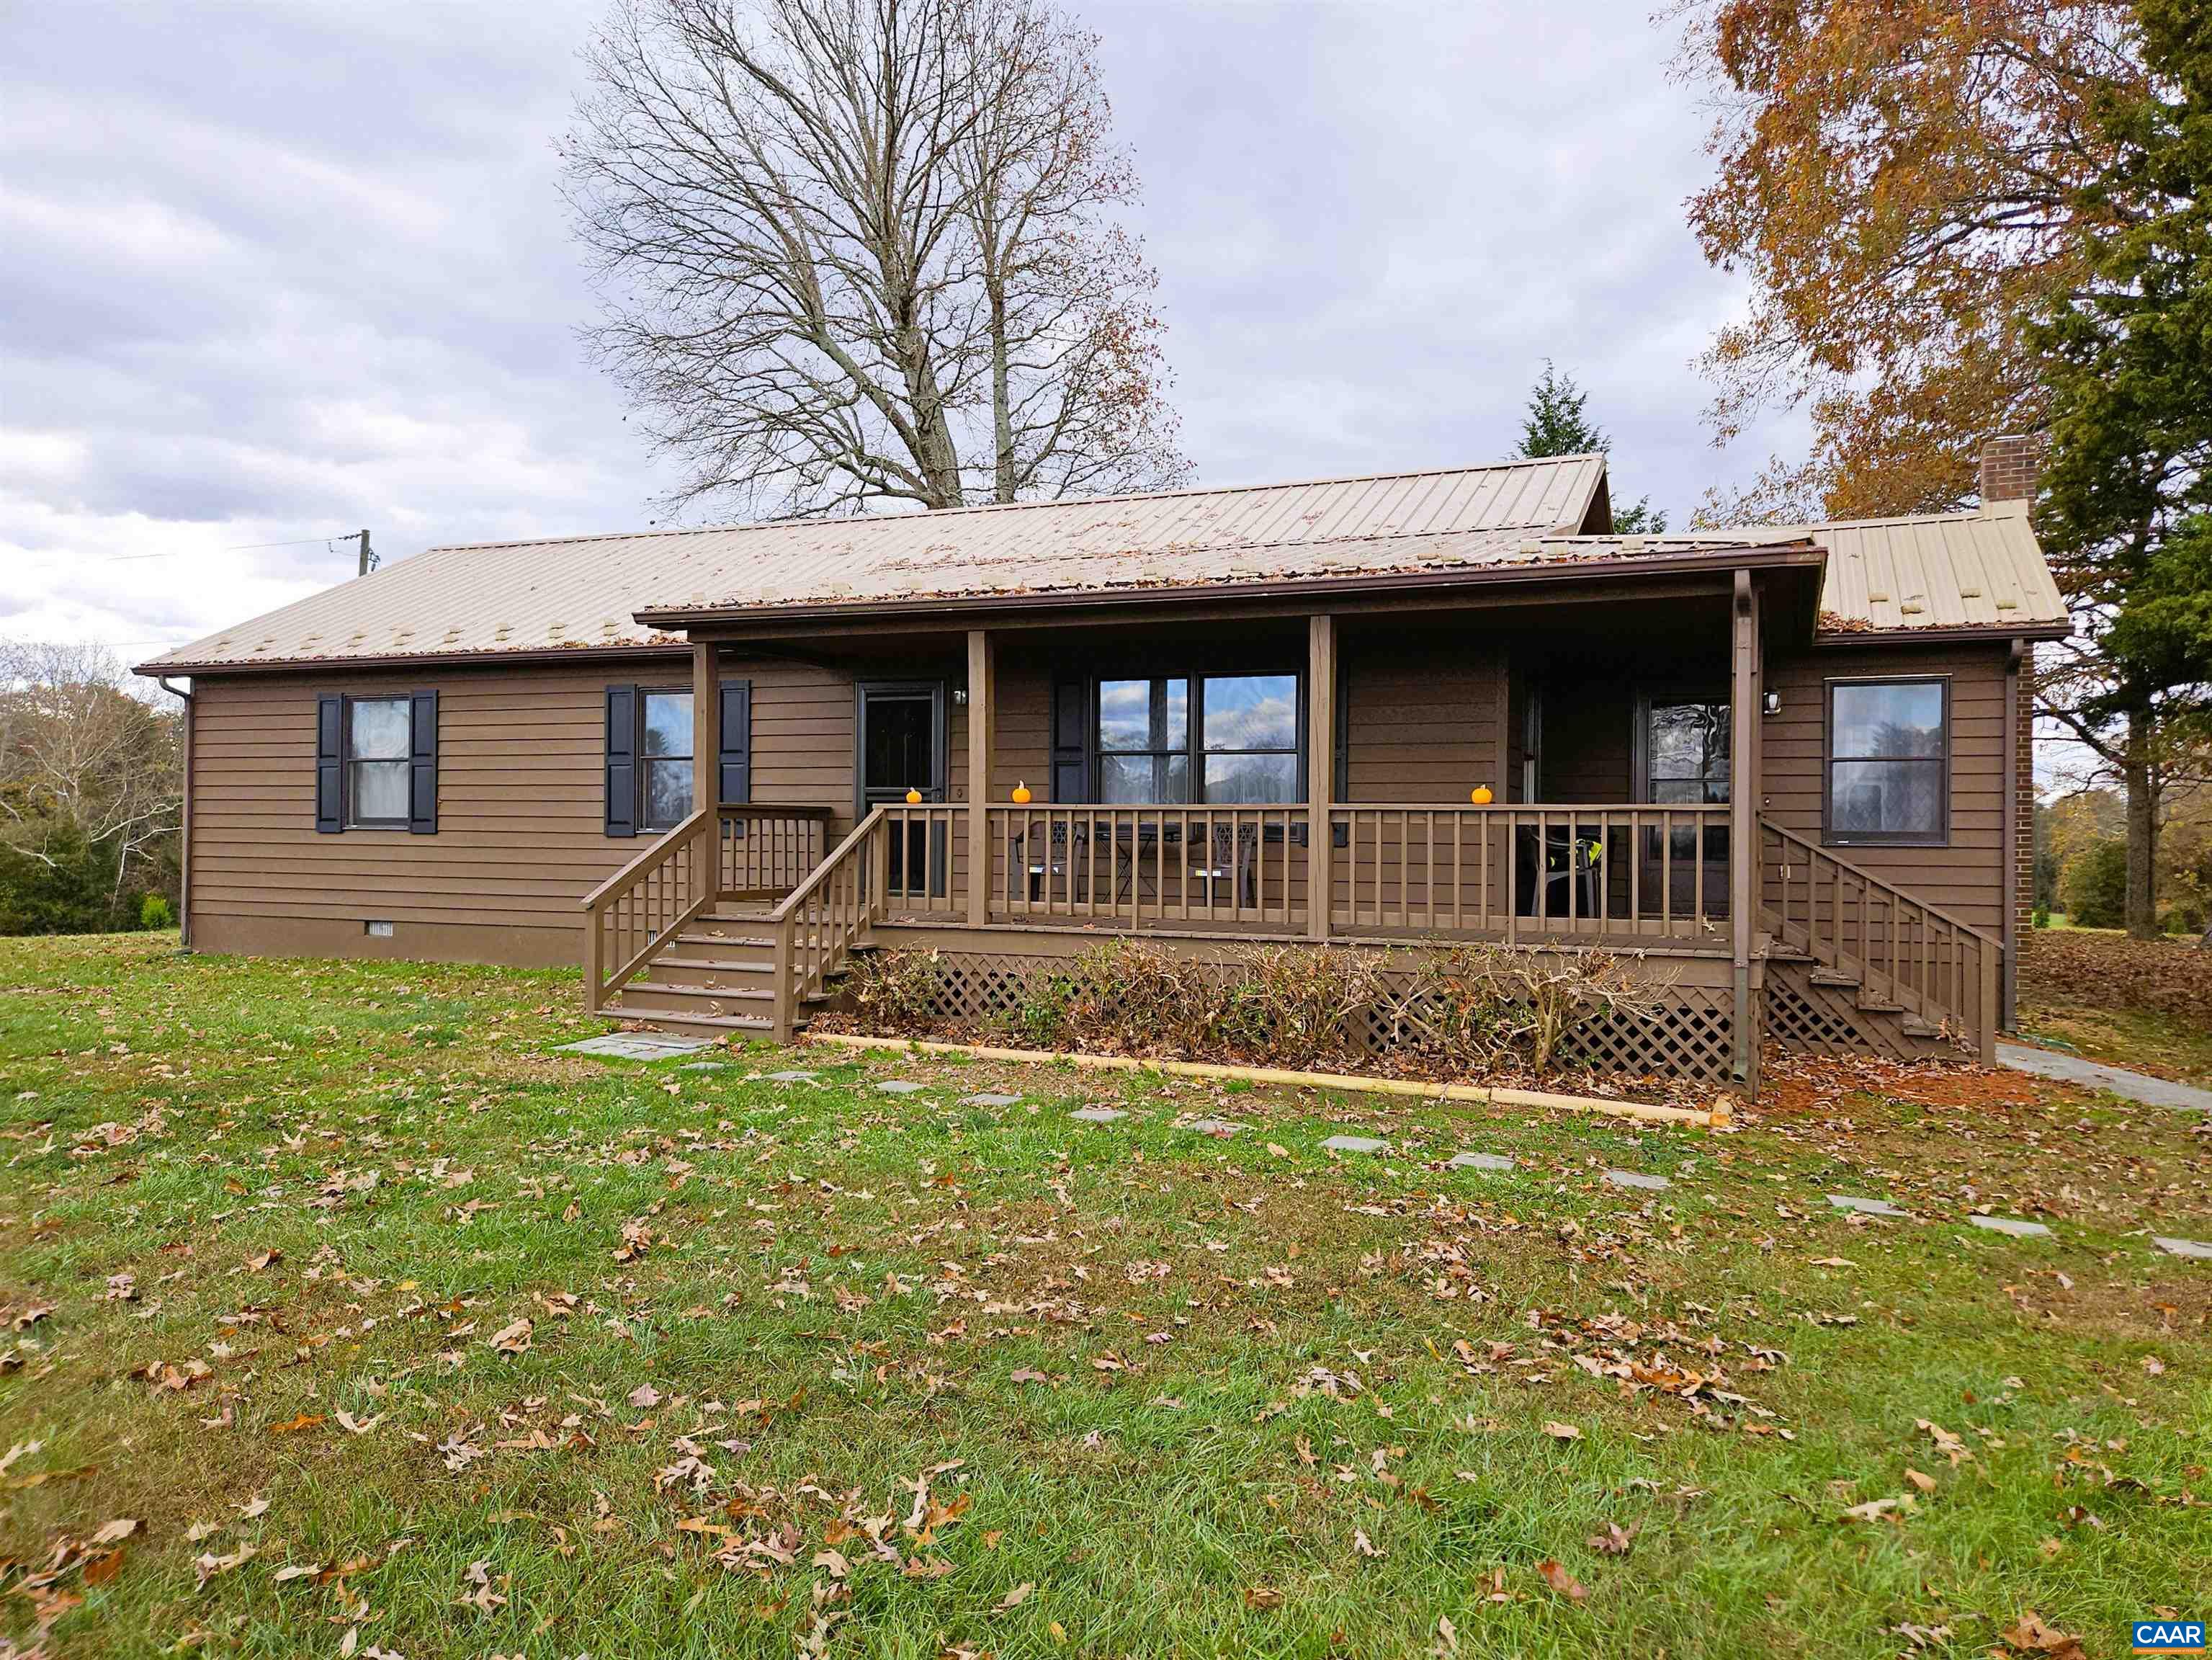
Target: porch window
1144 740
666 786
1243 729
1685 749
1250 723
377 733
1888 761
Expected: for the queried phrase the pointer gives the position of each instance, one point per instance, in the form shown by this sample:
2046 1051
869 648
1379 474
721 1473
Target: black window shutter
330 764
621 760
1071 740
422 763
734 773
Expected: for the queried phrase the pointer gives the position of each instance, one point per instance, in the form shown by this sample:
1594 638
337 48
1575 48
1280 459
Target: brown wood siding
1966 877
1420 720
520 837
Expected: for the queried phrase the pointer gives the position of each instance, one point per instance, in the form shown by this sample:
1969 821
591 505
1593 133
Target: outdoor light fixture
1771 701
960 695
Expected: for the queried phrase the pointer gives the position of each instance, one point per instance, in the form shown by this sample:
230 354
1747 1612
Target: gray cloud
278 270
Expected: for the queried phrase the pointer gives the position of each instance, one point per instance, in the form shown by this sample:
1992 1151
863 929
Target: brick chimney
2010 468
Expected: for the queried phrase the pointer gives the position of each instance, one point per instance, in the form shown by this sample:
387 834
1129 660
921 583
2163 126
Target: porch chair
1577 861
1225 858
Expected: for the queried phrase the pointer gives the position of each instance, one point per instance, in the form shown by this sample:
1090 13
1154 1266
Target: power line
236 547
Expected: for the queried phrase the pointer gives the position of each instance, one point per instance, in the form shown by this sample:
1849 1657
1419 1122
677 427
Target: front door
902 748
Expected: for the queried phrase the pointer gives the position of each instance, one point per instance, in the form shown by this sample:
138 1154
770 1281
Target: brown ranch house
1789 766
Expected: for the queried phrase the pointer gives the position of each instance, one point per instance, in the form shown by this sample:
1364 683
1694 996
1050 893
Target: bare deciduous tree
855 252
80 755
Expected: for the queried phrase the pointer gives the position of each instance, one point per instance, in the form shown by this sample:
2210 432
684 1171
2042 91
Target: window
1242 728
665 784
377 738
1144 740
1250 723
1685 752
1889 761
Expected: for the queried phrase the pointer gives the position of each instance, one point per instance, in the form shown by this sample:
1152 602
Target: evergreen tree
2128 515
1559 423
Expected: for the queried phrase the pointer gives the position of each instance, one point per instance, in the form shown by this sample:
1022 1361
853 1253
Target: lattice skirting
1799 1023
1691 1035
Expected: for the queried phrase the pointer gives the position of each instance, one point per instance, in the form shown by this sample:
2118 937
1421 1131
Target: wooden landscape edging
1719 1117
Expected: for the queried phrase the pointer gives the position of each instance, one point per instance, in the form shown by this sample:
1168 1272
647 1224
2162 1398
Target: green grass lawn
372 1325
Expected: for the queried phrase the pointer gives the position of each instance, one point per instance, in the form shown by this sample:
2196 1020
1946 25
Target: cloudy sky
270 273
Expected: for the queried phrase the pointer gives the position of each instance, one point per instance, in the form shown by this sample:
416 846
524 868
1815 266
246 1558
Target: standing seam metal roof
1957 570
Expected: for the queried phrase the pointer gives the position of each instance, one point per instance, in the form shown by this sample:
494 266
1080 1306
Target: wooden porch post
982 711
1743 810
1321 769
706 724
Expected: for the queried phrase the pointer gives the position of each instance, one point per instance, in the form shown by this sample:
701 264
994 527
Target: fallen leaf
1925 1483
1017 1597
1561 1581
513 1338
109 1533
1563 1431
2030 1635
1615 1540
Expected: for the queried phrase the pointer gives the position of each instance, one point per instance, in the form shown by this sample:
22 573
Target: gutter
185 819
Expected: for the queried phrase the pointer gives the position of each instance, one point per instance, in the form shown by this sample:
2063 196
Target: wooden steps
715 979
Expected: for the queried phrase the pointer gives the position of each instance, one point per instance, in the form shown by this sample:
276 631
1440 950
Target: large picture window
666 785
1222 738
377 736
1888 761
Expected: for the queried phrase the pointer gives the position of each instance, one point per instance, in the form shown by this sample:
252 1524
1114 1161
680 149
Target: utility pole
367 557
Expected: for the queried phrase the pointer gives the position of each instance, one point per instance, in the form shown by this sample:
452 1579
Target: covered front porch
1569 769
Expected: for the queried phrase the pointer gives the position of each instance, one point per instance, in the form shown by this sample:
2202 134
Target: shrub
899 991
153 912
2041 917
1468 1008
2093 885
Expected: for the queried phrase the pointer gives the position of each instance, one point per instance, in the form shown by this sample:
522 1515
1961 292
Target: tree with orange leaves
1905 183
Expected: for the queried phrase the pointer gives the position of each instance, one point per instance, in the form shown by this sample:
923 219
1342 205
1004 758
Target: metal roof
587 591
1933 571
1961 570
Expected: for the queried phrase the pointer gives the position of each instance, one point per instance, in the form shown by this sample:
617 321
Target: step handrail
1906 988
691 887
1783 833
816 877
814 929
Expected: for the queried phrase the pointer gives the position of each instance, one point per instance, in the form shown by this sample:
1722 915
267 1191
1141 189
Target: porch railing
1621 874
1603 872
1902 951
733 850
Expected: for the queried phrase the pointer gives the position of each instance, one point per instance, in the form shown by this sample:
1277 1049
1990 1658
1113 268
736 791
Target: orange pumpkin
1021 795
913 796
1479 795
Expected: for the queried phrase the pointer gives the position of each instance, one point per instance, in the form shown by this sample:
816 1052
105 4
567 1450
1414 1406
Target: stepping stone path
1482 1161
1098 1115
1865 1206
2183 1247
1354 1144
1213 1127
1629 1178
792 1078
638 1046
989 1099
2017 1227
900 1086
702 1065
